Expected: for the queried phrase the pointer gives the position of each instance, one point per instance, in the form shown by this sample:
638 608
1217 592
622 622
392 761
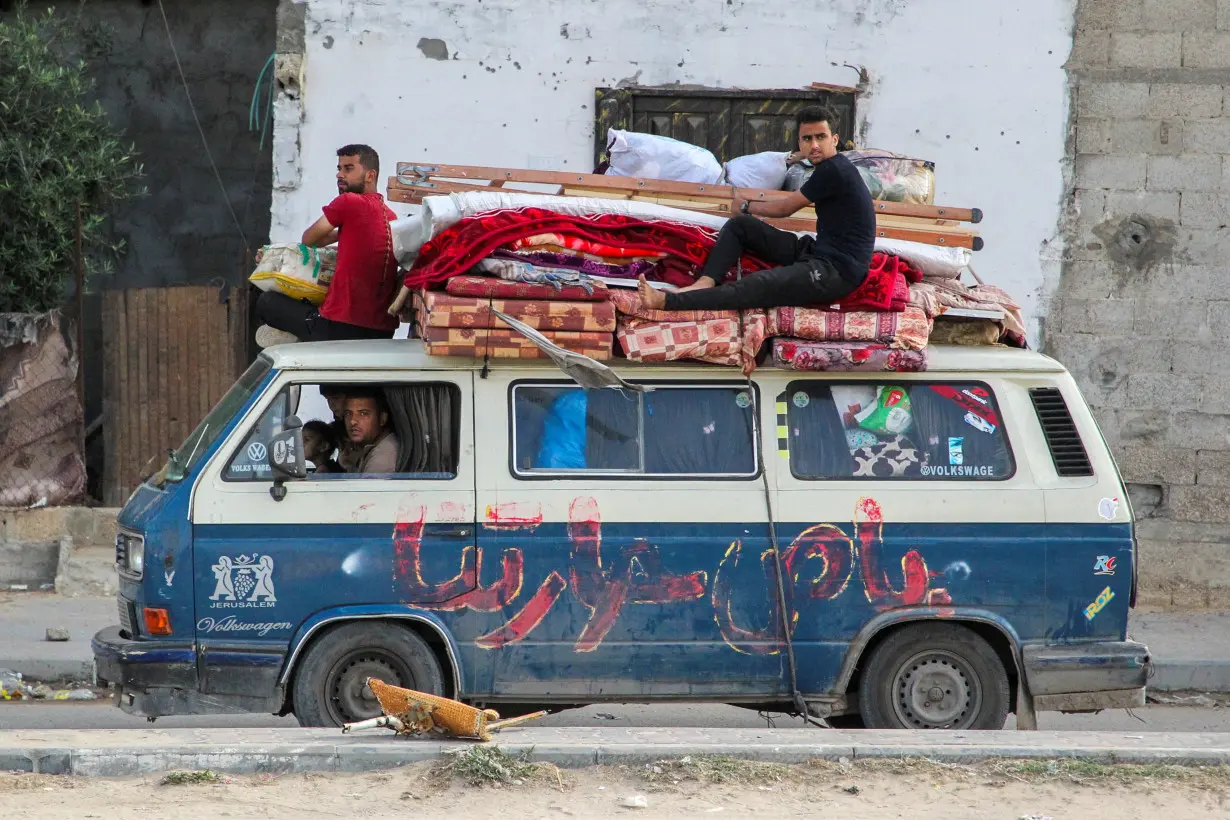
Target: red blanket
459 247
886 287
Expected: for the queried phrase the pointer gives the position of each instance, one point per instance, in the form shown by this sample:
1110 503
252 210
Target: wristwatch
746 207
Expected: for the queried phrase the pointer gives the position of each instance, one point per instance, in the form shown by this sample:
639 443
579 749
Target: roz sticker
743 400
979 423
801 399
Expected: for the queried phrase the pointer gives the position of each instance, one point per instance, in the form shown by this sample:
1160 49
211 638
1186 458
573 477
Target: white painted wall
977 87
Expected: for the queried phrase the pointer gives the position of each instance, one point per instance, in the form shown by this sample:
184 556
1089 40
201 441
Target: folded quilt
908 329
846 357
717 341
435 308
460 247
584 291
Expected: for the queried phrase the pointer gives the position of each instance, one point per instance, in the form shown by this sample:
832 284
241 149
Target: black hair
323 430
329 390
373 393
817 113
367 155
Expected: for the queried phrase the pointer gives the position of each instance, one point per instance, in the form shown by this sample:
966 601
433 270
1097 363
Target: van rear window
671 431
950 431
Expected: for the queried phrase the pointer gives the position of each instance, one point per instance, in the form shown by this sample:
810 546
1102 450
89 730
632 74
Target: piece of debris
12 687
44 692
1036 817
57 633
408 712
635 801
605 716
851 789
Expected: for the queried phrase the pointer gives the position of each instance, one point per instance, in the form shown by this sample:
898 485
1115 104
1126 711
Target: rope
796 696
254 107
196 119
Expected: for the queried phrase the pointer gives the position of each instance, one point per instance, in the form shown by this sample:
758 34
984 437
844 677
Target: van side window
671 431
907 430
402 430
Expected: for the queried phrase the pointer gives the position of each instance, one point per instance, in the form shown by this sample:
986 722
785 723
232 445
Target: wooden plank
481 173
128 390
110 404
141 332
177 385
162 419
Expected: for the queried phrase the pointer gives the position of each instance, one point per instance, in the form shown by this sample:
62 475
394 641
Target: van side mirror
286 458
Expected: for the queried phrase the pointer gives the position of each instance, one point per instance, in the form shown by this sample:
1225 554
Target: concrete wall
1142 312
511 82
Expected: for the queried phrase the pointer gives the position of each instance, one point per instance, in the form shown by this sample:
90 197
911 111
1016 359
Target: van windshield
181 461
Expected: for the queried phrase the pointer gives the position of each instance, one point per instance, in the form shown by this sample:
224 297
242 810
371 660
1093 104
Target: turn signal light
157 621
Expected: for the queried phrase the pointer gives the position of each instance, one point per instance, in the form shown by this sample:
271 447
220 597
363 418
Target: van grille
128 618
1063 440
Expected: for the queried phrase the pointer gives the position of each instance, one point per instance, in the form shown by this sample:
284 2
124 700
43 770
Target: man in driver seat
371 445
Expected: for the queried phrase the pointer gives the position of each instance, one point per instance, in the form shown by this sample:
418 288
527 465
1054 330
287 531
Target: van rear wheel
330 686
934 676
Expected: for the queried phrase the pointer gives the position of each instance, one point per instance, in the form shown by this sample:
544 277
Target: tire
920 661
330 686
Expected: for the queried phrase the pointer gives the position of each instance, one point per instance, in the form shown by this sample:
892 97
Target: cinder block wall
1142 312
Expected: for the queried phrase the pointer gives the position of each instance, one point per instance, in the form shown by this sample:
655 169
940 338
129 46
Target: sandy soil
916 792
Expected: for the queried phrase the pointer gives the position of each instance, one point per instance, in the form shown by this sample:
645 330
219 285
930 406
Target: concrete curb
1191 676
126 753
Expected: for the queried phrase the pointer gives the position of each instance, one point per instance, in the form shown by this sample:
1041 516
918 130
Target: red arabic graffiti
818 565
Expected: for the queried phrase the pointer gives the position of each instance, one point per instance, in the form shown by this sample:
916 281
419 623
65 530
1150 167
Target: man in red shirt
365 279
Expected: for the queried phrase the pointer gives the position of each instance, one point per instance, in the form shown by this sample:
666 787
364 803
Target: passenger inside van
371 446
319 444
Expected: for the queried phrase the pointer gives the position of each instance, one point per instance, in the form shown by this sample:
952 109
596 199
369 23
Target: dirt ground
917 790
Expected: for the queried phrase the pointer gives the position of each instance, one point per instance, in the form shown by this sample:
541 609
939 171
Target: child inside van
319 443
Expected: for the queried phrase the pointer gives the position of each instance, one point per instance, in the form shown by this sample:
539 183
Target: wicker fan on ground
413 713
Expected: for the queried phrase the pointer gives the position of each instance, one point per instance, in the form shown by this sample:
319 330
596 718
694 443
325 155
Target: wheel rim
347 697
936 690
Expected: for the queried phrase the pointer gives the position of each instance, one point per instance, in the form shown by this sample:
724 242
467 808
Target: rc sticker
979 423
1104 565
956 454
801 399
1104 598
743 400
244 582
1108 508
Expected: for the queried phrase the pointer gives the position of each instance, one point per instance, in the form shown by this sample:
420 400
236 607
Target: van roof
409 354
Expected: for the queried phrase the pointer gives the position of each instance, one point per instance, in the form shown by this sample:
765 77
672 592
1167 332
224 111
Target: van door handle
455 532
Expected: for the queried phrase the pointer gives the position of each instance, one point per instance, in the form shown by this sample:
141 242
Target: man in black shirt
821 271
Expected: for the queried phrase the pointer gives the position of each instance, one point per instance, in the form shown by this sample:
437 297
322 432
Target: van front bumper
1086 677
160 678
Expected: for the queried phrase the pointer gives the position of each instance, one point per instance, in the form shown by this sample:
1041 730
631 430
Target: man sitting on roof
815 271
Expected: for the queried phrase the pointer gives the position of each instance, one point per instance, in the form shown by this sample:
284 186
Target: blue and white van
968 554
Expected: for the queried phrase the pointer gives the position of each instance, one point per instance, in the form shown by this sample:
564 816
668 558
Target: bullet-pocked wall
1142 313
977 88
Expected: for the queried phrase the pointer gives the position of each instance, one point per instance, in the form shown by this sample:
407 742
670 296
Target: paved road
102 715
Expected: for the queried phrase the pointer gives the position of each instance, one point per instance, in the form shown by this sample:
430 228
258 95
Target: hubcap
349 698
936 690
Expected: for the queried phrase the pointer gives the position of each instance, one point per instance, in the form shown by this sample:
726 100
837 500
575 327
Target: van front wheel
330 685
934 676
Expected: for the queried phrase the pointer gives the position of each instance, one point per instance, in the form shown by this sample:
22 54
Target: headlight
130 553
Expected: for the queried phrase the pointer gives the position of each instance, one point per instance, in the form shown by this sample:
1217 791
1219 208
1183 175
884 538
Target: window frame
224 472
623 475
908 480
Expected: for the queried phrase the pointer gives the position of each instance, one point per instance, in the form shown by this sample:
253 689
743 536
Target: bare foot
651 297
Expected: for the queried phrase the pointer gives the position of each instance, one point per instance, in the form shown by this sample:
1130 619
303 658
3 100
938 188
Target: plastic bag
764 170
299 271
895 178
648 155
889 414
563 433
852 399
